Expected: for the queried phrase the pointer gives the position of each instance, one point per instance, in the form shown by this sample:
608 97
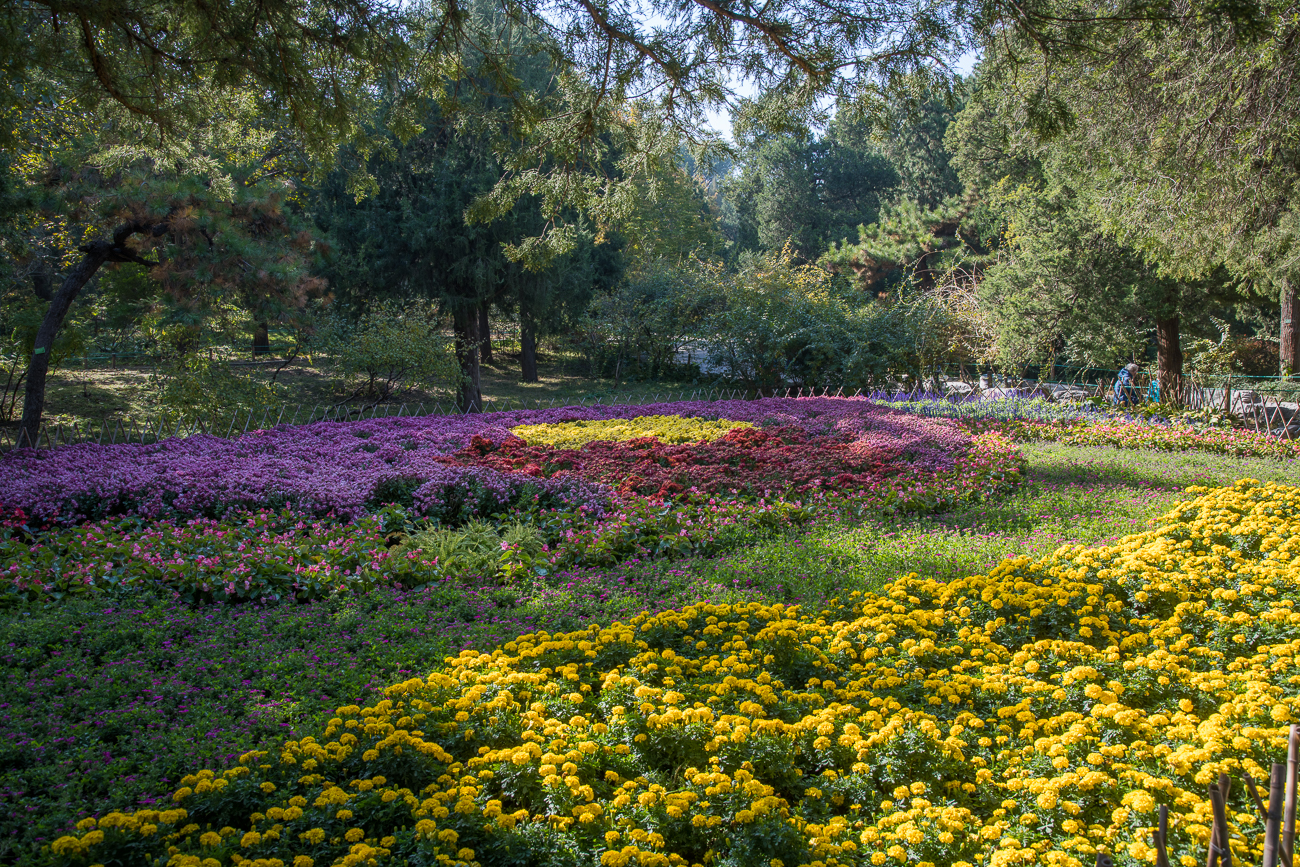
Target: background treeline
385 208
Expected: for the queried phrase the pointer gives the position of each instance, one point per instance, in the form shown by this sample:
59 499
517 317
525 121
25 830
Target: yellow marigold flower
354 835
303 861
66 846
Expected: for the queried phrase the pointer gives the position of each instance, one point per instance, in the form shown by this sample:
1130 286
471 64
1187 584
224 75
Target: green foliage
1209 358
912 244
390 350
640 327
1059 284
176 66
789 324
20 316
806 191
202 385
510 554
909 130
671 221
1182 144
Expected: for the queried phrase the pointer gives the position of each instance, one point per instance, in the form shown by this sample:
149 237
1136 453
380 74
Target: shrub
641 326
480 550
391 350
201 386
785 324
1039 713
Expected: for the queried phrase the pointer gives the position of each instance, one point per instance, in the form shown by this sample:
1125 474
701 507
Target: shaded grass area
107 704
87 396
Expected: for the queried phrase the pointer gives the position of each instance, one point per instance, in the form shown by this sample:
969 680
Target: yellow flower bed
1033 715
670 429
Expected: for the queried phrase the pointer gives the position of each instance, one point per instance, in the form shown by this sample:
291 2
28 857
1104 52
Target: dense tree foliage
1181 134
1060 283
807 190
509 160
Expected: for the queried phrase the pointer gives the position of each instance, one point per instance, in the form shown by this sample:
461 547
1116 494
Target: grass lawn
107 703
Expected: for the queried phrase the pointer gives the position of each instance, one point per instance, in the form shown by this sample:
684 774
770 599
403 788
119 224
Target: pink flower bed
1137 435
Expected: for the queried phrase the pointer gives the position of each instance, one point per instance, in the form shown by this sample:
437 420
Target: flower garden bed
1036 714
1036 419
188 517
1138 435
436 464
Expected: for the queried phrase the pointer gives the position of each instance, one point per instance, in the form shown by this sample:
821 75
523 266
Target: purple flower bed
351 468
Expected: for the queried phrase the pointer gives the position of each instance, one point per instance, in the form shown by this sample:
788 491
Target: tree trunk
1169 358
34 399
1289 348
261 339
465 324
528 350
484 335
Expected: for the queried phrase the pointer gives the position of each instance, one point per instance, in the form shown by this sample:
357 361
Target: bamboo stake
1214 850
1161 836
1273 825
1288 815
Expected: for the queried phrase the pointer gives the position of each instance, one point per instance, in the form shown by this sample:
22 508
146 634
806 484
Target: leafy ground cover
109 702
1036 714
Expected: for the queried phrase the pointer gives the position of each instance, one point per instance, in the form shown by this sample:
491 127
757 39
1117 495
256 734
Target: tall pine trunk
484 335
1169 358
528 349
1289 346
29 429
466 326
261 339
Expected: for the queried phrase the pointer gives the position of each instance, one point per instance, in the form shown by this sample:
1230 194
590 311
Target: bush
481 550
392 350
1037 714
200 385
639 328
801 325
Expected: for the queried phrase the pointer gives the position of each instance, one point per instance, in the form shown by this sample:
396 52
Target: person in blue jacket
1126 390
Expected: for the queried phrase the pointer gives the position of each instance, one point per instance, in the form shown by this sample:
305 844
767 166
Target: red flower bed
747 461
